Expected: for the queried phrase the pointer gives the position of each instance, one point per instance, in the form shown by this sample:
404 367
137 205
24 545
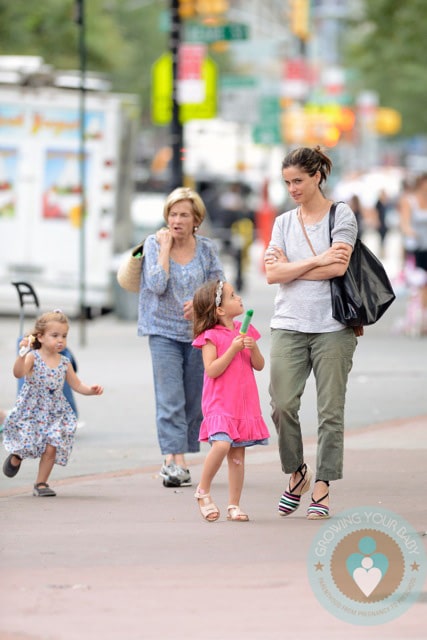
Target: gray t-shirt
305 305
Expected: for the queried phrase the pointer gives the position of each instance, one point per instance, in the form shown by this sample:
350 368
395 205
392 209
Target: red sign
190 59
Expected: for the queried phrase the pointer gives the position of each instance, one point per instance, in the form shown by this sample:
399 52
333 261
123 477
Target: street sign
161 93
239 98
190 84
267 129
235 82
195 32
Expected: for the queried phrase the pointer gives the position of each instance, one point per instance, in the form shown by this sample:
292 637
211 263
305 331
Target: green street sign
230 82
195 32
267 130
161 93
238 98
268 134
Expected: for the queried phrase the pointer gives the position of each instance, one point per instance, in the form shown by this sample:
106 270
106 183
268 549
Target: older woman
176 262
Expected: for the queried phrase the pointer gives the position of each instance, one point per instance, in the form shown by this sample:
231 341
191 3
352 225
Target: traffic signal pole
176 128
81 22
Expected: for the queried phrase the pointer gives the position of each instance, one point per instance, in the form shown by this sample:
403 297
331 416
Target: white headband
218 293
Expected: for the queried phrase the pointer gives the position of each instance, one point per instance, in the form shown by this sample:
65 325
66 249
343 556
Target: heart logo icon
367 577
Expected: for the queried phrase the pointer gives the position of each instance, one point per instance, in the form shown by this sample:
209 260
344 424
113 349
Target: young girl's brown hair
42 322
205 306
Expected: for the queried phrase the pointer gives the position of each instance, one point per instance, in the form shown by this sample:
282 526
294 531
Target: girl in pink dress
232 417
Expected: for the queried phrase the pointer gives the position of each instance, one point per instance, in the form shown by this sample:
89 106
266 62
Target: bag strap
331 225
299 216
332 219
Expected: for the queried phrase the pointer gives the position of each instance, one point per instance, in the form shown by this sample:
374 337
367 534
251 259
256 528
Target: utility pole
176 128
80 20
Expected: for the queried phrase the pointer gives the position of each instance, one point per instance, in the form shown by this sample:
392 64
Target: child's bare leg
46 464
236 474
213 461
212 464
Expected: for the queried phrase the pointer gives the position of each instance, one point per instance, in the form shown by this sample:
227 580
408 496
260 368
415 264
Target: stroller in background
26 293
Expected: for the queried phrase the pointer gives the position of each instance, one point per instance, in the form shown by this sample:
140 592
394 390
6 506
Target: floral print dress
42 415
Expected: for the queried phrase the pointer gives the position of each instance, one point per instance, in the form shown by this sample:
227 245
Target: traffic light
211 7
191 8
187 8
388 122
300 13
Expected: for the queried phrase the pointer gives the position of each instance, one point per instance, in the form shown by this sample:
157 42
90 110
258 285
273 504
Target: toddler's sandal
236 514
208 508
42 490
10 470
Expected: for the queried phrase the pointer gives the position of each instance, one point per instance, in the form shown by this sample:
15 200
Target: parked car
146 215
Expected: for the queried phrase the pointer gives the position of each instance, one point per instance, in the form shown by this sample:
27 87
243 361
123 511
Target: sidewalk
116 555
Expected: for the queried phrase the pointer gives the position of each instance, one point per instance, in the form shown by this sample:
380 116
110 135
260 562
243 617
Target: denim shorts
224 437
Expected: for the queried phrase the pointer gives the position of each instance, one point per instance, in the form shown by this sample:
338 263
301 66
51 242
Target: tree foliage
122 37
387 47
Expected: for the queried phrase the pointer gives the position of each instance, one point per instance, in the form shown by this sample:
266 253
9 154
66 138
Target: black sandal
42 490
10 470
290 501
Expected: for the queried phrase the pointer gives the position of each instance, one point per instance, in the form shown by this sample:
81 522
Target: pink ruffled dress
230 402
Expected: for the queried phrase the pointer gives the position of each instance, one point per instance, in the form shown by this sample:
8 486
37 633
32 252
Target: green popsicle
246 322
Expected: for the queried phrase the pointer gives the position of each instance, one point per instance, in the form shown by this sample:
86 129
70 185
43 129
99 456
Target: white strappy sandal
236 514
208 509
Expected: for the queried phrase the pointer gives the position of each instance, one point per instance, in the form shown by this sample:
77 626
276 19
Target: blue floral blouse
162 296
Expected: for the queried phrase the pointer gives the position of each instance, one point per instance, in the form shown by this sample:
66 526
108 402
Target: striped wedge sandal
290 500
317 510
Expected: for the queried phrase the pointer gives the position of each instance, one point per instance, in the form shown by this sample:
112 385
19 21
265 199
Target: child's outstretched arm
215 366
80 387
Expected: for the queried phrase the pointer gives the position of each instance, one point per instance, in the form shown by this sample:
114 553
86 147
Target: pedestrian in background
382 206
176 262
43 423
304 335
232 417
413 223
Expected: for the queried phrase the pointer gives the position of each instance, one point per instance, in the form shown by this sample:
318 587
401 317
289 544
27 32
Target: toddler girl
42 424
232 417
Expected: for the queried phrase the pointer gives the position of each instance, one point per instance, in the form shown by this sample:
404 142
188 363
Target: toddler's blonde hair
42 323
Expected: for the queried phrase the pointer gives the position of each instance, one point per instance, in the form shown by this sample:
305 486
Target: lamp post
80 20
176 128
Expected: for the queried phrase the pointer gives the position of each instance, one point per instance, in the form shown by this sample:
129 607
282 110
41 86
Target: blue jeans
178 383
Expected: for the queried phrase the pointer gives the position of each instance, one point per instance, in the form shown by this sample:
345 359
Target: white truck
41 238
